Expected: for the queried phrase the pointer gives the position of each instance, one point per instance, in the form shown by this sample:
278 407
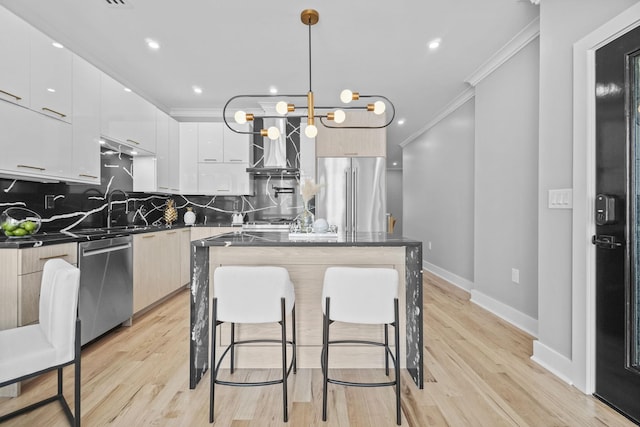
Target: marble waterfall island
306 261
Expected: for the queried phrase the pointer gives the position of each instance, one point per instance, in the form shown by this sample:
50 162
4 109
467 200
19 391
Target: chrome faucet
110 204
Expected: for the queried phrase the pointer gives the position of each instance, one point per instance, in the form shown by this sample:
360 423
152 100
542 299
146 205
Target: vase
306 220
189 217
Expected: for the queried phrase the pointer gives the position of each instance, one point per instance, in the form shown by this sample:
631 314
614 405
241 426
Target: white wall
438 193
506 183
562 23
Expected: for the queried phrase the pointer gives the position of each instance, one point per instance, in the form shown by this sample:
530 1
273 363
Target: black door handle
605 242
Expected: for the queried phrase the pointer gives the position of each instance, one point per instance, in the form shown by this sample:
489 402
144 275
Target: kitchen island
307 259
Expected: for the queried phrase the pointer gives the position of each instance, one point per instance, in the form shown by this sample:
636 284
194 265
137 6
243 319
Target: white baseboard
452 278
552 361
502 310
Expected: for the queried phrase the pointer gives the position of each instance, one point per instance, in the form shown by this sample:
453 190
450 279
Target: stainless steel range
106 285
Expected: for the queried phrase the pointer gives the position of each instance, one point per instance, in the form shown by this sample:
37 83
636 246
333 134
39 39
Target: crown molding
450 108
184 113
513 46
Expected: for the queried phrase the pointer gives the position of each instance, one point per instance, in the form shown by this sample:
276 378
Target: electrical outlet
49 201
515 275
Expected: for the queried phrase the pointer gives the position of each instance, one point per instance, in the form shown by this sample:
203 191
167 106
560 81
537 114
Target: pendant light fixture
328 116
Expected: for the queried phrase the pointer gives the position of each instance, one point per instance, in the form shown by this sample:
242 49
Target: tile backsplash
82 205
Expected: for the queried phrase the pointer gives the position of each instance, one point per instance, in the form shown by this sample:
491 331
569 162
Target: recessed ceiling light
435 43
58 45
197 90
50 89
152 44
126 89
273 90
134 152
400 122
395 163
102 142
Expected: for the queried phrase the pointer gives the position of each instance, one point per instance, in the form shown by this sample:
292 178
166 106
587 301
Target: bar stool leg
386 349
233 346
397 364
284 358
293 340
325 359
212 363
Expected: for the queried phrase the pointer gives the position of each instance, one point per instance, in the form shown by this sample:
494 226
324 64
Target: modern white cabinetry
174 156
51 78
15 37
220 163
189 158
237 146
33 145
210 143
86 122
224 179
162 151
126 117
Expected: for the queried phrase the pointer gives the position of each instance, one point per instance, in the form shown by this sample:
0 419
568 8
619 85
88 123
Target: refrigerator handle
346 201
354 190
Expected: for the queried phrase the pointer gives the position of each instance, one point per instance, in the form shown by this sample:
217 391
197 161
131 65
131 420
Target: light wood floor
478 373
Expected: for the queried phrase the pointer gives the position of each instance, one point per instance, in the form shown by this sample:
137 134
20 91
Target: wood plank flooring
478 373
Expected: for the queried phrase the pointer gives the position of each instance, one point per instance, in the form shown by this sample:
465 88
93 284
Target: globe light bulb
241 117
339 116
273 133
379 107
346 96
311 131
282 108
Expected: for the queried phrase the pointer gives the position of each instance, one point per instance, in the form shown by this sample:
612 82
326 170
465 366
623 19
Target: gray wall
438 170
506 182
562 23
394 198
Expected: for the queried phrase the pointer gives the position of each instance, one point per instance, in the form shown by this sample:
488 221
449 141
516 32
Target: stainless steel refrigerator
353 193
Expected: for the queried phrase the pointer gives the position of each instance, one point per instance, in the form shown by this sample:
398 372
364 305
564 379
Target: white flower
308 189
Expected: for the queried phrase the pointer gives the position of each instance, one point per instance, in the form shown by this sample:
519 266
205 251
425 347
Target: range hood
279 157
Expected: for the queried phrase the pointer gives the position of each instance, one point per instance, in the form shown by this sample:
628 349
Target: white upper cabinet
162 151
174 156
189 158
51 78
219 144
224 179
15 37
236 145
86 122
127 118
210 143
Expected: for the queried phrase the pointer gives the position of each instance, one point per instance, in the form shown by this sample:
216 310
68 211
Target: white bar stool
252 294
361 295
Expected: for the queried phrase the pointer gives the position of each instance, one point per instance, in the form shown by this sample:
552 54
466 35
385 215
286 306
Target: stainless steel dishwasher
106 285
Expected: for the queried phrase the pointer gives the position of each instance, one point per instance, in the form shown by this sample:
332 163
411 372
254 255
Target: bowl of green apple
18 222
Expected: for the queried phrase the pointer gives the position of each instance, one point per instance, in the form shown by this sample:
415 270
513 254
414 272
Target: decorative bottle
189 217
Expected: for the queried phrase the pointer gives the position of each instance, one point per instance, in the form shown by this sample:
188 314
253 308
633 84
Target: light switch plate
561 198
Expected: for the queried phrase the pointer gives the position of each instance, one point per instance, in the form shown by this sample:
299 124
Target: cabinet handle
53 256
350 154
11 95
31 167
171 232
210 160
148 237
133 142
235 160
164 188
223 190
175 189
53 111
87 176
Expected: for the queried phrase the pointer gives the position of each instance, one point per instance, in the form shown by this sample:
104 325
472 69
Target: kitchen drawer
33 259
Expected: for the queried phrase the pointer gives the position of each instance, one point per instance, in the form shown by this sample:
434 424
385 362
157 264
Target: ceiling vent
119 4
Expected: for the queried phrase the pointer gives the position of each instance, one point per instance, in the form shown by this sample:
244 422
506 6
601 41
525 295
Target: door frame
583 220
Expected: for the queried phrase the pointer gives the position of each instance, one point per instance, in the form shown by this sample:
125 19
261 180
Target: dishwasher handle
90 252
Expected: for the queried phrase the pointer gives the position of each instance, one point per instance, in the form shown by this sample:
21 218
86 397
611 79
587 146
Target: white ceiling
231 47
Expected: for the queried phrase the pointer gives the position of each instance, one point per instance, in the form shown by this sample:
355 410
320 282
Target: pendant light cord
309 25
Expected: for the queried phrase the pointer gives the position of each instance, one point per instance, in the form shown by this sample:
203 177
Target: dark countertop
253 238
86 234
